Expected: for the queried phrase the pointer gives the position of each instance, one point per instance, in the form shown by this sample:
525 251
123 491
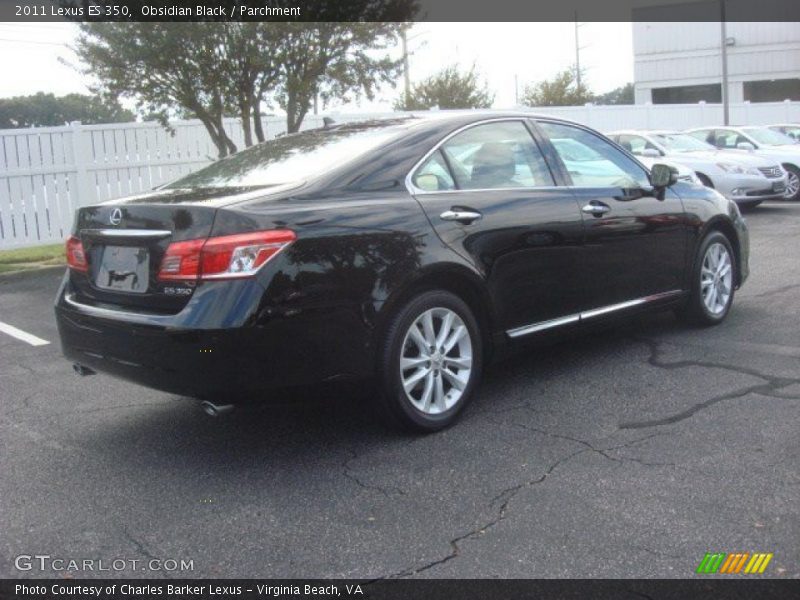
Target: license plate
124 269
778 186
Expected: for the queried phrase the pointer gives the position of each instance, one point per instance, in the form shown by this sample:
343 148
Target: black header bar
397 10
707 588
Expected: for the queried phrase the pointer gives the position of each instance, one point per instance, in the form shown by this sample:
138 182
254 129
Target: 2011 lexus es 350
403 250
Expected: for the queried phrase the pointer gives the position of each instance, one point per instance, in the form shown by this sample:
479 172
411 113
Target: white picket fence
47 173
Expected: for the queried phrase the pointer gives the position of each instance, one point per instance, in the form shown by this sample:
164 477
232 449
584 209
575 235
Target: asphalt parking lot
629 453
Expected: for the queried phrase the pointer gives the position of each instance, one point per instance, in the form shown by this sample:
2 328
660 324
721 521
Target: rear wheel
430 362
792 183
712 282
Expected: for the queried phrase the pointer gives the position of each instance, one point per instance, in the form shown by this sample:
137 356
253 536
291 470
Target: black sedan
407 251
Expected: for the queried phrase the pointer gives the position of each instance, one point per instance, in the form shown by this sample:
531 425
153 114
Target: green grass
31 258
37 254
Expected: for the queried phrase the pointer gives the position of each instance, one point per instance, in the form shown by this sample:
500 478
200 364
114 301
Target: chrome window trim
590 314
415 191
134 233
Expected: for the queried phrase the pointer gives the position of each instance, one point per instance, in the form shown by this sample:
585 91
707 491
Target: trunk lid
124 244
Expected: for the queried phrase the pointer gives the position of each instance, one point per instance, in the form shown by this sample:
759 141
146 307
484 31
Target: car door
491 196
635 242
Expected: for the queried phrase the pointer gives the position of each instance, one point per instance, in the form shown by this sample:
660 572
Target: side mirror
662 176
745 146
650 152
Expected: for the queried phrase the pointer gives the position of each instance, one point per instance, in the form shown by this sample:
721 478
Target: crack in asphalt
509 493
601 451
348 472
771 386
780 290
500 515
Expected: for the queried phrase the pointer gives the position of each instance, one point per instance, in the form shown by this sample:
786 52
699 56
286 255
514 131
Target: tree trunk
258 126
244 112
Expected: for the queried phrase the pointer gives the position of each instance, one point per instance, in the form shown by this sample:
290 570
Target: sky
33 56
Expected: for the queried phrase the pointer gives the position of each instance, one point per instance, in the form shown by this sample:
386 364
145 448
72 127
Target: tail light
225 257
76 257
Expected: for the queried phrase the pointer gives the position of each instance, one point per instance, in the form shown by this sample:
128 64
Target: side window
705 135
727 139
433 175
635 144
592 161
496 156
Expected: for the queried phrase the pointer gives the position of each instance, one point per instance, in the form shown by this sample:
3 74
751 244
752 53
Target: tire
793 183
703 308
704 179
425 396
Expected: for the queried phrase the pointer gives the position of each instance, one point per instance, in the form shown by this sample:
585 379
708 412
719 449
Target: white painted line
22 335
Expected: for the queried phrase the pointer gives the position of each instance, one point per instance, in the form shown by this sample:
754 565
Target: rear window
295 157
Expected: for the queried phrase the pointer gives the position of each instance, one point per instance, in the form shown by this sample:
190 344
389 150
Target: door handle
461 215
598 209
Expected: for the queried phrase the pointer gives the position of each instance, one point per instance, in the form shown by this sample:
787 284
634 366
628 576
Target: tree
333 60
43 110
561 90
620 95
449 88
210 70
163 67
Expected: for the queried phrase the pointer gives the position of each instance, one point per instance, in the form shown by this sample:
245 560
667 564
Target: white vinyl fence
47 173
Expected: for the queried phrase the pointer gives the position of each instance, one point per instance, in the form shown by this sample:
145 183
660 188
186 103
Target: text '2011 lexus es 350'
405 250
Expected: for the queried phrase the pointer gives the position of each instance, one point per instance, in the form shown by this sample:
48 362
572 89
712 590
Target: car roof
438 118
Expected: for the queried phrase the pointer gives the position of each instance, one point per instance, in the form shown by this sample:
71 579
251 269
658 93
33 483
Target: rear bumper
236 355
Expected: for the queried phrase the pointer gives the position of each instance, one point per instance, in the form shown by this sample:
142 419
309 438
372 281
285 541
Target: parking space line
22 335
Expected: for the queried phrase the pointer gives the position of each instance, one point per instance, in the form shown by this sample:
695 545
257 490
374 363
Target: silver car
790 129
759 141
744 178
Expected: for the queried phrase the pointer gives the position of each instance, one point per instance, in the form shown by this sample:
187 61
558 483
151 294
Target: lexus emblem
116 216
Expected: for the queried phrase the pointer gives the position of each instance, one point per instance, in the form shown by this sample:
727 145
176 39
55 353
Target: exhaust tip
215 410
81 370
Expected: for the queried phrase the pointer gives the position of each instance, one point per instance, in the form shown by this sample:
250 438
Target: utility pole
406 74
577 55
724 51
516 90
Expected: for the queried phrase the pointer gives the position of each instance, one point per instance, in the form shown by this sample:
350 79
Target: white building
682 62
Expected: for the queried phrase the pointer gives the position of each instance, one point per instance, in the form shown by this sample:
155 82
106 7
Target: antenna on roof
327 122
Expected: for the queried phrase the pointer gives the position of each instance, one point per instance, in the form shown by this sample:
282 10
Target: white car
744 178
790 129
761 141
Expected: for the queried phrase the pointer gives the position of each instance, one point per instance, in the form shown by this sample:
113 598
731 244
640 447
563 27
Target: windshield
767 136
681 142
293 158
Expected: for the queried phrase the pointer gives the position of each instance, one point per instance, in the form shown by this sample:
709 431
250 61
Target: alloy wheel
792 184
436 360
716 278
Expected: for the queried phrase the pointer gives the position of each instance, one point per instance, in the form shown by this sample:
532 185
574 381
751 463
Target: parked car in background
746 179
405 251
582 161
790 129
762 141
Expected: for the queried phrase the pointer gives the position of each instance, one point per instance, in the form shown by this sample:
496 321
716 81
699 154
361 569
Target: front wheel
792 183
430 362
712 282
